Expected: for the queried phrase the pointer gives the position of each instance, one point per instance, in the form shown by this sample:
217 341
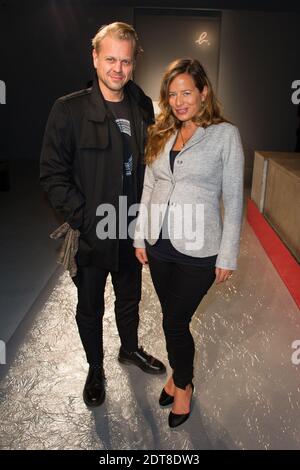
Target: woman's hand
222 275
141 255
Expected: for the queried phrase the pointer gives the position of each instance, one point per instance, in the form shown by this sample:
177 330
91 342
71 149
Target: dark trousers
180 289
90 282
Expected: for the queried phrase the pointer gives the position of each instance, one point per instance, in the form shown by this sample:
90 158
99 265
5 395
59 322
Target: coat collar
196 137
98 110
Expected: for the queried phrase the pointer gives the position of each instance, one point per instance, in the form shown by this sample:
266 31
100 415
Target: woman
194 159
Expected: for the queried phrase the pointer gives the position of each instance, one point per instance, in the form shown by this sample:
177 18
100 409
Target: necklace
189 136
182 139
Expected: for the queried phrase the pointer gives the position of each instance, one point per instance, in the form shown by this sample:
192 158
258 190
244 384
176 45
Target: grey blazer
207 170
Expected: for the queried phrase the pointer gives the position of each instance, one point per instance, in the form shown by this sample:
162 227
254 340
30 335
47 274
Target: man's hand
141 255
222 275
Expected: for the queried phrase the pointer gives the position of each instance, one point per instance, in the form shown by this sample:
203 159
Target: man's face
114 65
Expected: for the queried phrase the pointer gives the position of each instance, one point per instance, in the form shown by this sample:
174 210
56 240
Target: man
93 154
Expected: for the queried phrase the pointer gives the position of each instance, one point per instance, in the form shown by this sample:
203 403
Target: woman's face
184 97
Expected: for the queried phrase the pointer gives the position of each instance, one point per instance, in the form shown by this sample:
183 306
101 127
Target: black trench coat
81 164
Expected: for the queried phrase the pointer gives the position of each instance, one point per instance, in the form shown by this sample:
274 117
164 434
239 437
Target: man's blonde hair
117 30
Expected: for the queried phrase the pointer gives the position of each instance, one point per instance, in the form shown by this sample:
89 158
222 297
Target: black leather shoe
143 360
165 399
175 419
94 389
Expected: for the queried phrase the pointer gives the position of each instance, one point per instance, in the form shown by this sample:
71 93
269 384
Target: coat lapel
99 128
196 137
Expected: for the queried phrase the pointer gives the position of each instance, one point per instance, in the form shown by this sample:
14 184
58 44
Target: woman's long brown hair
166 123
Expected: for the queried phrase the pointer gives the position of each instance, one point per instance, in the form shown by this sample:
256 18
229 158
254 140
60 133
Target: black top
173 155
163 248
121 112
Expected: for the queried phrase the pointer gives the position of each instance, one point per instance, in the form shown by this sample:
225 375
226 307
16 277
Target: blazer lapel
196 137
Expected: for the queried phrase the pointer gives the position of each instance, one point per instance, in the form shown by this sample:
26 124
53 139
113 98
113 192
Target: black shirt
121 112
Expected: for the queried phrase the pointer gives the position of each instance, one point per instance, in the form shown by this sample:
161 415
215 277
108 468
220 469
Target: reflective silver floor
247 388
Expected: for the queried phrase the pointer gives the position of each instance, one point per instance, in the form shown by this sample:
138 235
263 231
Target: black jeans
180 289
90 282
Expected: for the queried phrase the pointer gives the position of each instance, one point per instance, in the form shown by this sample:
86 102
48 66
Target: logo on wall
202 39
296 94
2 92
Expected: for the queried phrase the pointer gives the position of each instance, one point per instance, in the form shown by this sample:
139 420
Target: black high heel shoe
165 399
175 419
